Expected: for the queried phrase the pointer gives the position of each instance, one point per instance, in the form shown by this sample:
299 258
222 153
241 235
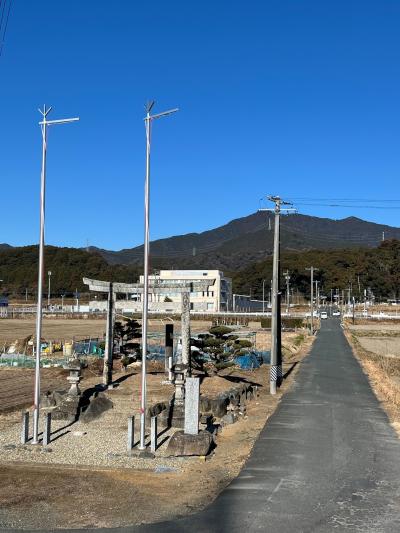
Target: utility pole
287 278
276 347
312 270
147 122
43 124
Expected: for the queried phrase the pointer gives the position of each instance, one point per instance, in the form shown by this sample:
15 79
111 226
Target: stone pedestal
174 415
183 444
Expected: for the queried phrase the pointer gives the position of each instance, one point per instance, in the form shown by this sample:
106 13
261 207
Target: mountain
246 240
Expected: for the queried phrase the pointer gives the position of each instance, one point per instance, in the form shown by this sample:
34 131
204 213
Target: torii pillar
109 345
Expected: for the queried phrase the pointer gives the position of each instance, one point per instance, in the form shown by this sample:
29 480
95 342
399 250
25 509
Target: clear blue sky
298 98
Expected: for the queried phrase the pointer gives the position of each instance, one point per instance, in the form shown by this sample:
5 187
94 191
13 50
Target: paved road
327 461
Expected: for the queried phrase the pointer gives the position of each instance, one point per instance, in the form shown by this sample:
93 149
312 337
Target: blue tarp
263 356
247 361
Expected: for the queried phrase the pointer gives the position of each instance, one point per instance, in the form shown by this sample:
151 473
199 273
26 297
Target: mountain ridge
248 239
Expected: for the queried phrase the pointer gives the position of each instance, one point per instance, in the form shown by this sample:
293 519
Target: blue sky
298 98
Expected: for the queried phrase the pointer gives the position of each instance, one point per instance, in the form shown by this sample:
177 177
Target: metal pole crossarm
163 114
285 209
59 121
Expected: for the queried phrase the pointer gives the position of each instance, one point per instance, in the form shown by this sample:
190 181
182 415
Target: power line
350 205
369 200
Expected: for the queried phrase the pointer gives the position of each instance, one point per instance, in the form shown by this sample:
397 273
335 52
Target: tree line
362 268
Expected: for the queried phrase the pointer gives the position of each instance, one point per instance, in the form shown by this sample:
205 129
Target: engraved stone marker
192 400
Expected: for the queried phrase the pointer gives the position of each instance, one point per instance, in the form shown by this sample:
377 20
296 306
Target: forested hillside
19 269
376 268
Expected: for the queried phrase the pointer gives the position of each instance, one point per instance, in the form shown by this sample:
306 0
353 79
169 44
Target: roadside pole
276 345
147 122
36 401
312 270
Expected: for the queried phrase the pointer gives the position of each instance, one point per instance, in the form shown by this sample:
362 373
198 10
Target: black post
169 348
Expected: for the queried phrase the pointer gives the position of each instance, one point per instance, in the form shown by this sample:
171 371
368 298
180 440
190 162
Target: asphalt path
328 459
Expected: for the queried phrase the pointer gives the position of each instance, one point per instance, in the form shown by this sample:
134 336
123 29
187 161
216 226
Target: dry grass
384 376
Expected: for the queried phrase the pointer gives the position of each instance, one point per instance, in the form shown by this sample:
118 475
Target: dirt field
377 347
373 325
36 492
381 345
53 329
59 328
16 385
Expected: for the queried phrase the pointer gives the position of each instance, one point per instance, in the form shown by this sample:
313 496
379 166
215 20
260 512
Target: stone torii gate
157 286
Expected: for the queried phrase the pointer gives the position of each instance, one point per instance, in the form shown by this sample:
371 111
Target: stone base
67 409
174 415
182 444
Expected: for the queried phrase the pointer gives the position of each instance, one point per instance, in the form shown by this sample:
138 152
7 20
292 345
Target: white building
217 298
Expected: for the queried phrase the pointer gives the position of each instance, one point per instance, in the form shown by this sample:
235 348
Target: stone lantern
74 367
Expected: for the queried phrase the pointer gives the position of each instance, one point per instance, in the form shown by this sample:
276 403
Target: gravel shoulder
96 484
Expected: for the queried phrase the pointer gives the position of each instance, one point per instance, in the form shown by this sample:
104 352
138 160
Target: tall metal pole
36 395
36 399
142 445
147 121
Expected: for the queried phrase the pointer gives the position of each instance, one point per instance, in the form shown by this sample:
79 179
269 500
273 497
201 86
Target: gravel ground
101 443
